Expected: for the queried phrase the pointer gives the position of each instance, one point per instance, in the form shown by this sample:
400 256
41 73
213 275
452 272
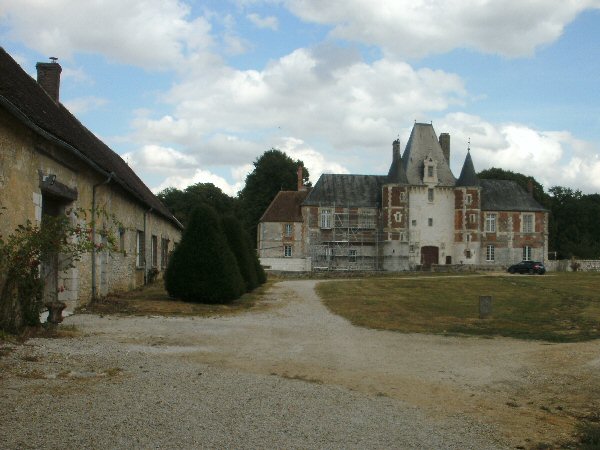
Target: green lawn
558 307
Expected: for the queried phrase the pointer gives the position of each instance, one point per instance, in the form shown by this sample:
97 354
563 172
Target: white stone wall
441 233
272 239
287 264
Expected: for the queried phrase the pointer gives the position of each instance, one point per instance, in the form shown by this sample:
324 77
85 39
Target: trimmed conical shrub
239 242
203 268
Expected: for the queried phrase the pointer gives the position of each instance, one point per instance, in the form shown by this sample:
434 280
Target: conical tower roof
468 177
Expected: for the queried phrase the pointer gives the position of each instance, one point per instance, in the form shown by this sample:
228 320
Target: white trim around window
490 253
287 251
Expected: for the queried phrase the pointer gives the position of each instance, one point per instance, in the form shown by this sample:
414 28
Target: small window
402 236
468 237
414 223
154 251
430 194
490 223
398 217
430 171
402 196
411 248
468 254
325 218
352 255
468 199
527 253
490 253
287 251
430 221
288 229
528 223
139 249
472 218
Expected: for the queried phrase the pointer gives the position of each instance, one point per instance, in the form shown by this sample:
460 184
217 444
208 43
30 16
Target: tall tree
274 171
182 202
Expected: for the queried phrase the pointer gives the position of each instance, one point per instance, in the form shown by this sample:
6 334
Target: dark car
528 267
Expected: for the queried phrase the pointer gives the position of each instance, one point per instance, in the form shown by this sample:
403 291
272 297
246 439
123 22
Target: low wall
564 265
286 264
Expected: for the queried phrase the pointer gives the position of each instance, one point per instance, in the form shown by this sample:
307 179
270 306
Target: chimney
530 187
48 77
300 183
396 150
445 144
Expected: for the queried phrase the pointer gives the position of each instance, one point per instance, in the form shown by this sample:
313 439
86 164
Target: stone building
418 215
50 163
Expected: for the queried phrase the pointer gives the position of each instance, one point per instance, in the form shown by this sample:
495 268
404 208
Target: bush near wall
203 268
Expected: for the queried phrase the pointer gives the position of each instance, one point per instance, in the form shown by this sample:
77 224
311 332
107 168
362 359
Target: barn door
429 256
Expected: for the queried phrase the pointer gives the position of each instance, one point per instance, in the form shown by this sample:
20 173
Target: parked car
528 267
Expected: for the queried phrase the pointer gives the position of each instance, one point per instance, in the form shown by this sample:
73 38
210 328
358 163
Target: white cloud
84 104
200 176
150 33
552 157
421 27
269 22
315 162
158 159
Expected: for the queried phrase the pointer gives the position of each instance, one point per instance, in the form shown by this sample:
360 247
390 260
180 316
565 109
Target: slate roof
285 207
347 190
423 142
468 177
26 100
506 195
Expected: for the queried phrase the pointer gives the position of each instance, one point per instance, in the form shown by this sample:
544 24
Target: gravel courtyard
292 375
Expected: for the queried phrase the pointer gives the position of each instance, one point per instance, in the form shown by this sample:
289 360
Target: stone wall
564 265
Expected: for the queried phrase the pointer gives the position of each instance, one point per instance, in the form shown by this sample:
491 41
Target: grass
562 307
153 300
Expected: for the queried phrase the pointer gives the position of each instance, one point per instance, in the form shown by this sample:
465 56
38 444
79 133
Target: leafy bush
239 243
203 268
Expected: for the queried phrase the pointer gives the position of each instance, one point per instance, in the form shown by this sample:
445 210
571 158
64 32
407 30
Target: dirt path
530 392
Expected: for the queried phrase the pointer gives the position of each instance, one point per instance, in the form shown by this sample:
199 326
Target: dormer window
430 170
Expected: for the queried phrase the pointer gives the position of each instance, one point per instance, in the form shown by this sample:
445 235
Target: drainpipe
145 246
94 289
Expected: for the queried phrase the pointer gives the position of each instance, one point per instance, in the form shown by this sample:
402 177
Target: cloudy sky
194 91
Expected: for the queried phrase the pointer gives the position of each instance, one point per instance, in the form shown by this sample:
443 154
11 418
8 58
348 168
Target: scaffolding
345 238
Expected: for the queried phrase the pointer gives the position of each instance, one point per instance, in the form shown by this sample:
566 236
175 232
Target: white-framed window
490 222
402 236
490 253
472 218
325 218
468 237
366 219
398 217
289 228
430 171
139 249
430 221
329 253
411 248
430 193
352 255
527 253
528 223
468 199
287 251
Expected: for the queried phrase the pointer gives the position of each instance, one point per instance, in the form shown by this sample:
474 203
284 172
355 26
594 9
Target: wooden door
429 256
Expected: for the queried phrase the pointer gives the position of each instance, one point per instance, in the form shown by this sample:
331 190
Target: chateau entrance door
429 256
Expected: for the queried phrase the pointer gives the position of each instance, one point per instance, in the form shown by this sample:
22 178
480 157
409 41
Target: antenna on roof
53 59
469 145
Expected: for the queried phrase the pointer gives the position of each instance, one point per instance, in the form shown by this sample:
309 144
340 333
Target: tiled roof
347 190
285 207
505 195
423 143
25 99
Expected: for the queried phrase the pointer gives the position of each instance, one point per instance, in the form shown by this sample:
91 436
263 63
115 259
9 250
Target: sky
191 91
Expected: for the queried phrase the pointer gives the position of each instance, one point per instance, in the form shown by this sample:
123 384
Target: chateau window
430 171
528 223
430 194
468 237
490 223
287 251
402 237
490 253
411 248
398 217
402 196
430 222
527 253
288 229
325 218
352 255
472 218
414 223
468 199
468 254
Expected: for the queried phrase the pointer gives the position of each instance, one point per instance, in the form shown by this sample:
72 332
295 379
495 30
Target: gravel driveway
289 376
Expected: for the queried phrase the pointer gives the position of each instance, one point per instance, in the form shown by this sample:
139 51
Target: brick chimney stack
445 144
48 77
530 187
300 182
396 150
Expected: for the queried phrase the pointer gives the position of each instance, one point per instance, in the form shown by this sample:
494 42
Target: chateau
416 216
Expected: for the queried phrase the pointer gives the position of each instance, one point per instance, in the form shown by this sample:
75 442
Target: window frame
491 222
287 251
530 222
490 253
430 195
352 255
325 219
288 230
430 221
140 249
527 251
